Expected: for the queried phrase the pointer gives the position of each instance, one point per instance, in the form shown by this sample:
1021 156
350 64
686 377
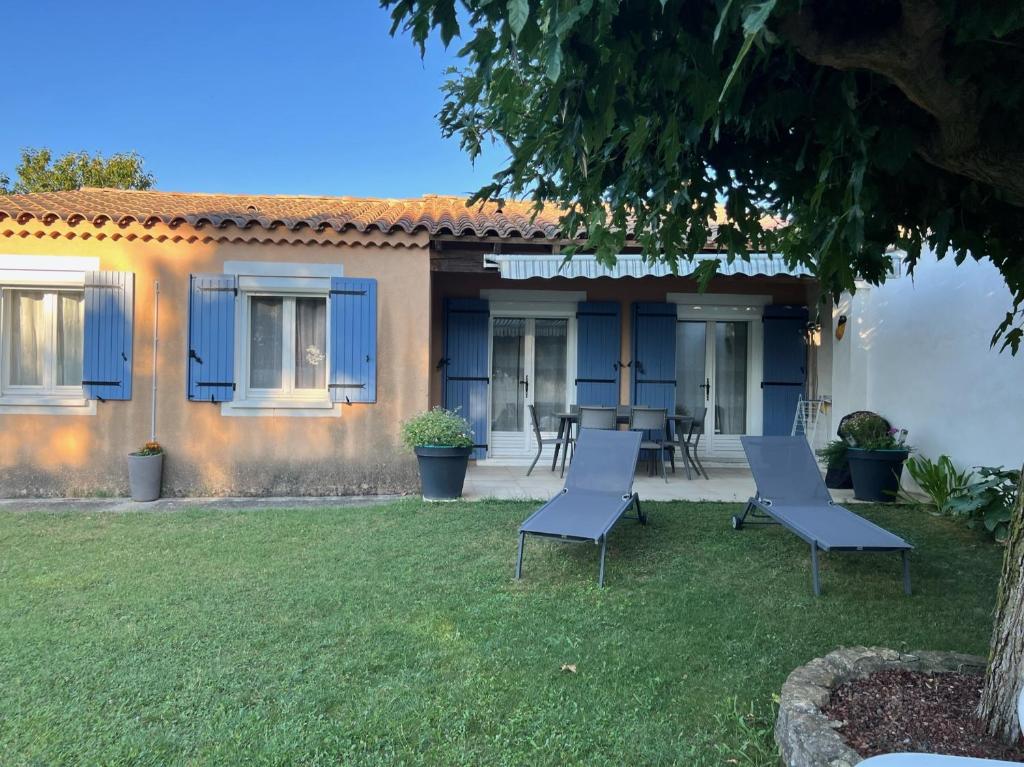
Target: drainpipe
156 340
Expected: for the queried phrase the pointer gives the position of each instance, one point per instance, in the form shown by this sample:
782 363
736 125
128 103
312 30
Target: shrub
869 431
940 480
988 501
437 428
834 454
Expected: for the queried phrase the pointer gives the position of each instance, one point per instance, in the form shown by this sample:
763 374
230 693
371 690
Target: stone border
805 736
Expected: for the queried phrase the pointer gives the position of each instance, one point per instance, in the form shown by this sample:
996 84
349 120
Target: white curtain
28 332
266 338
731 377
310 343
70 338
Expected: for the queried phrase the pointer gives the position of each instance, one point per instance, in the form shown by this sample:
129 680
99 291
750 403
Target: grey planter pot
876 473
145 473
442 471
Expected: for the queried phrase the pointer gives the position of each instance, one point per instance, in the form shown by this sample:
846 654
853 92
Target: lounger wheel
737 523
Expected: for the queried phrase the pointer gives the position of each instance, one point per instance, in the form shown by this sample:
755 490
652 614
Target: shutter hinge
101 383
216 384
443 362
348 292
346 386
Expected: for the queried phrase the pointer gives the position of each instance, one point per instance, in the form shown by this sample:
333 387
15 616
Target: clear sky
263 96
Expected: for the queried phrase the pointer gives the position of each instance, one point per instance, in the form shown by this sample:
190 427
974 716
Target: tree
39 172
859 124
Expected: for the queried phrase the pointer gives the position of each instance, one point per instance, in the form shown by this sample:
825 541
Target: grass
396 634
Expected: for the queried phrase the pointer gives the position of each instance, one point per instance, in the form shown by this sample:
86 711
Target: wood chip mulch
898 711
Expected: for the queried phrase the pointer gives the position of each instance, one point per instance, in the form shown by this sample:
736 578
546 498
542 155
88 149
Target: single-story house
297 333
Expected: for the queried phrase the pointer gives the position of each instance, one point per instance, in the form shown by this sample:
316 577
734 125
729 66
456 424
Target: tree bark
1004 677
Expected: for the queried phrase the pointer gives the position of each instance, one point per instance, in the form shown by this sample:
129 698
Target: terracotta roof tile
434 214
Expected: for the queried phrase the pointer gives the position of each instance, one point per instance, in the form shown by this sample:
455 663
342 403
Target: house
297 333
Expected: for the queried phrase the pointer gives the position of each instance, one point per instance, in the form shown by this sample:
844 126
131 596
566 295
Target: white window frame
287 281
50 275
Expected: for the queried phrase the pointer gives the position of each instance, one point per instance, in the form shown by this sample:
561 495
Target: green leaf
518 13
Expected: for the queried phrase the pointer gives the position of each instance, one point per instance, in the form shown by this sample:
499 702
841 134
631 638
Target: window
287 347
43 342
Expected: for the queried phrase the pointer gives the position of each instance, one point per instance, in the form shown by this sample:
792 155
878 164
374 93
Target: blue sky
306 97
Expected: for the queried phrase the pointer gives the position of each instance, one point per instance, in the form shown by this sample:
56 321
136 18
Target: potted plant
145 472
442 441
876 454
837 467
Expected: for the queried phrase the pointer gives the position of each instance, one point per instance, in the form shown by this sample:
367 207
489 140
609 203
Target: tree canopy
860 124
38 171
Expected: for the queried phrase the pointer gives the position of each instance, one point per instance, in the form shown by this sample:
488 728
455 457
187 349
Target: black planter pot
838 477
442 471
876 473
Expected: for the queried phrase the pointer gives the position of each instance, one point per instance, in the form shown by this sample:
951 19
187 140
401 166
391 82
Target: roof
524 267
434 214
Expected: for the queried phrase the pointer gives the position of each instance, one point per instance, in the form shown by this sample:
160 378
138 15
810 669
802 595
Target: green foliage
150 448
437 428
394 634
834 453
38 171
868 431
648 114
940 480
988 501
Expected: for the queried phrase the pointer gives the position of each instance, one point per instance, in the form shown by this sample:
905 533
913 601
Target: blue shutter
654 355
466 377
785 355
598 340
353 332
211 337
107 354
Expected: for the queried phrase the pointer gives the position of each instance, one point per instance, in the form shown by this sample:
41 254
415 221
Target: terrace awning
525 267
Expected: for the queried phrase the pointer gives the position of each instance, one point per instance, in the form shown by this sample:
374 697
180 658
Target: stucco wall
917 351
207 453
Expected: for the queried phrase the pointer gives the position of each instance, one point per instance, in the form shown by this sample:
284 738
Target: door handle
526 383
706 386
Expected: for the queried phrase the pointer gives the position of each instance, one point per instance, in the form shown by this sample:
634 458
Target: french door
713 361
529 366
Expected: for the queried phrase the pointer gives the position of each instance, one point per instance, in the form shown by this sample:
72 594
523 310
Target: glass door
712 381
529 366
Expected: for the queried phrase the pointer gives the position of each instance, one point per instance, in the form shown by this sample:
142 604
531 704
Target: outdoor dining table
568 418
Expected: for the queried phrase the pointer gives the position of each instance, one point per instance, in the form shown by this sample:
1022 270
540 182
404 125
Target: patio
731 483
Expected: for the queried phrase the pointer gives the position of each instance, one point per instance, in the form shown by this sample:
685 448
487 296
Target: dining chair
565 442
597 417
654 422
688 444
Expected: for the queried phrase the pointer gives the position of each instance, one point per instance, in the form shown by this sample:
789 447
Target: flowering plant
869 431
150 448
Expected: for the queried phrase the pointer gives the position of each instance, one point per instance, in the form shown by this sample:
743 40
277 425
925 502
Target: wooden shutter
785 361
107 354
466 377
353 340
598 341
211 337
654 355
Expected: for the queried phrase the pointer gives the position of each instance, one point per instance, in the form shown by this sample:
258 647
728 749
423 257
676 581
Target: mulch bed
897 711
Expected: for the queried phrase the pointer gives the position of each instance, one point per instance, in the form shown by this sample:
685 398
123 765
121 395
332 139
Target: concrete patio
732 483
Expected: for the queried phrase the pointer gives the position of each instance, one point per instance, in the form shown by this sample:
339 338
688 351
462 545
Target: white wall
917 351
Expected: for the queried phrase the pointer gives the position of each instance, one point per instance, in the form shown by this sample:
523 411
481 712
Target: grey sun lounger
597 494
791 493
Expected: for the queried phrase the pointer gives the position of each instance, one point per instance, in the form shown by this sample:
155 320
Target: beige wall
211 454
625 291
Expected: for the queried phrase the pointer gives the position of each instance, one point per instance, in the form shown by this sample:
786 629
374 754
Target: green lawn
396 634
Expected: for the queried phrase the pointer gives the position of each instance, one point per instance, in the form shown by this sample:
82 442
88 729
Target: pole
156 341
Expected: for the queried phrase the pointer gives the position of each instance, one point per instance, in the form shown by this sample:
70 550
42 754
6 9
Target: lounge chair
791 493
938 760
598 492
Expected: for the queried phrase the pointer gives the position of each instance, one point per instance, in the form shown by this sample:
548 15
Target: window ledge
43 405
289 408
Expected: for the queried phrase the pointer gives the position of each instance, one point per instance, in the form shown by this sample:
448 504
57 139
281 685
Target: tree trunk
1005 675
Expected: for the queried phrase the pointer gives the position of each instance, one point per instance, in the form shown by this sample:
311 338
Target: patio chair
542 442
653 422
597 417
598 492
791 493
939 760
689 442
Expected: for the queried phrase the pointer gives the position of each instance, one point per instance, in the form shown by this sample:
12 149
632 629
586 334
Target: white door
529 366
713 362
